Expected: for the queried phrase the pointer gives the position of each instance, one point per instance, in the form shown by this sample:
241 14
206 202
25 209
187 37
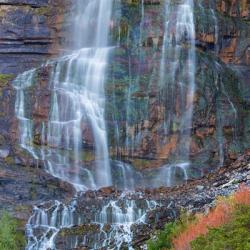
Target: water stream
77 100
77 103
177 77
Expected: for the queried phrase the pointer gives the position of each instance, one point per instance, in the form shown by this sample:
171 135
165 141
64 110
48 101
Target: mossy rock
80 230
4 79
143 163
43 11
9 160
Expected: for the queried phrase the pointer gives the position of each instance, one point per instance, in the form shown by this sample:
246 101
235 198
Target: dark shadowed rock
22 187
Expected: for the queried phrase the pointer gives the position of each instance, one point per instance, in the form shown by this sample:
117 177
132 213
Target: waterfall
173 174
21 83
77 100
122 214
77 104
222 94
78 94
177 75
49 220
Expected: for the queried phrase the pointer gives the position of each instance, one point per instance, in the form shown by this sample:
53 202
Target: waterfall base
112 219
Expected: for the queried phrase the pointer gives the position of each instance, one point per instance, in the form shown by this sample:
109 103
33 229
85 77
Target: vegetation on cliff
10 236
232 235
224 227
4 79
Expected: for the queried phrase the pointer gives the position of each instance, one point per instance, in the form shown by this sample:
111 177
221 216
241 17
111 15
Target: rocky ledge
22 187
97 215
30 33
194 196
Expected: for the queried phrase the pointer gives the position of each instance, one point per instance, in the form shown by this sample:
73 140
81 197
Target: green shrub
234 235
10 236
4 79
164 237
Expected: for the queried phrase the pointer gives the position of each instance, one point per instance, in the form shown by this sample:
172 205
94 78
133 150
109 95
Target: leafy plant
10 236
219 216
164 238
234 235
4 78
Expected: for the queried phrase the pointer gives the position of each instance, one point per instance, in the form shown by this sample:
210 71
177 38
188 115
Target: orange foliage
242 196
218 216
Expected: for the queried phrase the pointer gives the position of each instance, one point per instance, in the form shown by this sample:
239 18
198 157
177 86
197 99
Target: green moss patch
80 230
11 237
5 78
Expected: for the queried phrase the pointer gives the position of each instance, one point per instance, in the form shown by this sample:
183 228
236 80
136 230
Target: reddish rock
248 152
107 190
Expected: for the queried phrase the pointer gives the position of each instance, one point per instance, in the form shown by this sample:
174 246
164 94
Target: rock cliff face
30 33
33 31
221 100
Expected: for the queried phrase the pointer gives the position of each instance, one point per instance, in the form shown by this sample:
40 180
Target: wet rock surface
21 187
222 43
30 33
97 214
194 196
34 31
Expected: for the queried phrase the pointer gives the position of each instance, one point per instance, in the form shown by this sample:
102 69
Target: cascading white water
49 221
78 101
170 175
78 97
223 94
122 214
177 73
113 223
22 83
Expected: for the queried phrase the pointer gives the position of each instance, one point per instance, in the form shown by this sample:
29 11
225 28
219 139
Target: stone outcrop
194 196
30 33
22 187
221 103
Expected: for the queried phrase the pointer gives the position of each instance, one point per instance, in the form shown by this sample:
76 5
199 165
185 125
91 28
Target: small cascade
22 84
177 77
121 215
45 223
131 137
174 174
129 141
224 102
125 177
112 221
216 32
223 96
